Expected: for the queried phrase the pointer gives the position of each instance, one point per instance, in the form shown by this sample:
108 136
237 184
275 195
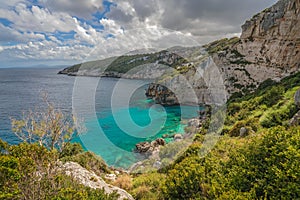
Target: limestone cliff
269 47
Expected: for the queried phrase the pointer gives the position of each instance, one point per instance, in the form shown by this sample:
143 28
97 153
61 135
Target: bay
119 116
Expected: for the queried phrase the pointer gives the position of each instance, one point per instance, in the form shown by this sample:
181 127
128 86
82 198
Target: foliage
264 167
50 128
221 45
90 161
31 171
124 181
148 186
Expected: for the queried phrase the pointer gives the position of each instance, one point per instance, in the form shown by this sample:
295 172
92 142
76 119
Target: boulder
160 141
90 179
157 164
178 137
243 132
194 123
147 147
142 147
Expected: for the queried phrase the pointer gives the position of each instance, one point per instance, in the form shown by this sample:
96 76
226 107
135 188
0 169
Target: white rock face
269 46
91 180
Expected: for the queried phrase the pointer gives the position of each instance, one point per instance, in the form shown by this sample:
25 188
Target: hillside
256 158
134 66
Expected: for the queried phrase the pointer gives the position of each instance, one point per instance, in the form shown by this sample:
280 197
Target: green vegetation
30 171
223 44
125 63
263 163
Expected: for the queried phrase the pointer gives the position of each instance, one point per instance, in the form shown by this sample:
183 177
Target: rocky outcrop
149 147
91 180
272 37
269 47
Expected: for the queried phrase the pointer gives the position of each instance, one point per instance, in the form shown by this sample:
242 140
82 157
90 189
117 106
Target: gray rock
194 122
92 180
160 142
142 147
243 132
178 137
157 164
297 98
146 147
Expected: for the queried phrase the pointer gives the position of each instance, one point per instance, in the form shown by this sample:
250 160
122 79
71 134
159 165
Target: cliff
269 48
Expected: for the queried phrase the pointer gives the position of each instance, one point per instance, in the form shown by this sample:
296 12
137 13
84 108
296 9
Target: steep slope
269 47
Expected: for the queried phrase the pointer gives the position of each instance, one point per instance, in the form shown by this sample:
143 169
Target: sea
113 115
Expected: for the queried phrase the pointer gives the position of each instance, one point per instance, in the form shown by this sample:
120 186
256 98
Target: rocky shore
159 153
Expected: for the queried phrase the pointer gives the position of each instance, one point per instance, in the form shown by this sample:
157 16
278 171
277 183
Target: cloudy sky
60 32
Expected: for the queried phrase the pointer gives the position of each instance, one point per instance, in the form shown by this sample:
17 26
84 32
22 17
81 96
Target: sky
65 32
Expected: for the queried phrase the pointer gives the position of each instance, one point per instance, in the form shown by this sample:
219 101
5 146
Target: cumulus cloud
68 29
201 18
79 8
38 19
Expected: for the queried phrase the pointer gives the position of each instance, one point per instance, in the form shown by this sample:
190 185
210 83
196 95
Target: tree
50 128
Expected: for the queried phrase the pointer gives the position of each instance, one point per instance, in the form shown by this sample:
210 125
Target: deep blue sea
115 112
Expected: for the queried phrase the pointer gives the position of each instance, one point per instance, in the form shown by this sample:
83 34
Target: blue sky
64 32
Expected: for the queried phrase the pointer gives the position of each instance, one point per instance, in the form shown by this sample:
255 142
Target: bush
148 186
267 167
124 182
90 161
272 96
29 171
185 181
278 116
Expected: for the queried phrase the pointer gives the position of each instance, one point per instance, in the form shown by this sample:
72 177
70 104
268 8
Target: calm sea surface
115 112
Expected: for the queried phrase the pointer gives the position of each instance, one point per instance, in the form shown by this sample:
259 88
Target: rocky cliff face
269 47
272 37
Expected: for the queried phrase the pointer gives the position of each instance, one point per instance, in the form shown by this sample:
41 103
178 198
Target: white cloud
130 25
10 3
79 8
38 19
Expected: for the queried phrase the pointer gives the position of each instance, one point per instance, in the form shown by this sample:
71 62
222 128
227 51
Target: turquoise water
115 144
122 118
119 126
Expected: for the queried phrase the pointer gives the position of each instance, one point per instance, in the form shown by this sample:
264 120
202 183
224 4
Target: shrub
89 161
124 182
185 180
148 186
